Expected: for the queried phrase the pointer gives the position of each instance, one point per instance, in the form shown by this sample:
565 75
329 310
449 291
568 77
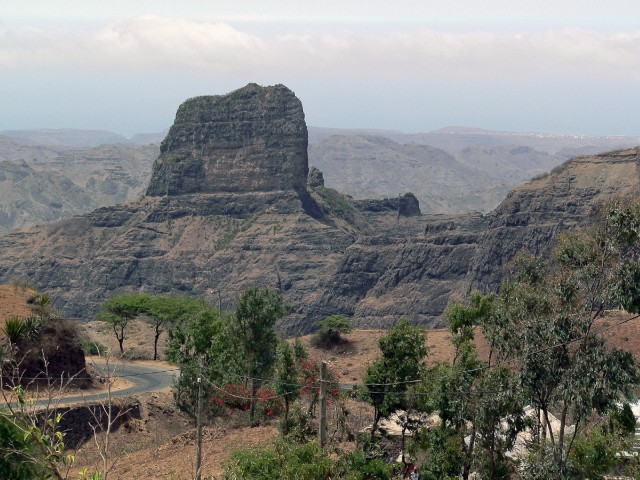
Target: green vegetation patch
340 205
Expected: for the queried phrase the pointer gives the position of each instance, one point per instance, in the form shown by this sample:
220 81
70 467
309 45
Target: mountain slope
44 184
325 252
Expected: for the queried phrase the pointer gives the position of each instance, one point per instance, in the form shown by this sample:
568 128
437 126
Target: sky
555 66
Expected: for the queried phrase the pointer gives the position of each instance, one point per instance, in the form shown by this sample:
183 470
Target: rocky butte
251 140
228 207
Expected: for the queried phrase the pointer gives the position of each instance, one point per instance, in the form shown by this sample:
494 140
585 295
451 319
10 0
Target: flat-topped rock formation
251 140
228 208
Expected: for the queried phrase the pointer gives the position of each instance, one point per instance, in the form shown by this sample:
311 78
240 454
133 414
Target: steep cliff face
378 261
566 198
253 139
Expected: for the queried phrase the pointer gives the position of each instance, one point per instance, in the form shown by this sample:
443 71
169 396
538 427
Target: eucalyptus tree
287 379
547 326
478 403
400 364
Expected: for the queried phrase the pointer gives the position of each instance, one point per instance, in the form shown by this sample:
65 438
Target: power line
352 387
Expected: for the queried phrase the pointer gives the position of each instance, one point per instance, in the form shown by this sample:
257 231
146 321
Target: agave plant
15 328
32 325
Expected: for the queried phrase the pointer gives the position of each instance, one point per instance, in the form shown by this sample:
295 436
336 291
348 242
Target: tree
478 403
119 310
403 350
546 321
17 453
163 311
287 379
330 330
256 315
189 346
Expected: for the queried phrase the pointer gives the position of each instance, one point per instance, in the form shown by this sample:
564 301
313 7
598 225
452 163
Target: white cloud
152 43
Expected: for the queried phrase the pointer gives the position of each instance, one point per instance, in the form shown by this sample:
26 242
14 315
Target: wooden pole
323 404
199 428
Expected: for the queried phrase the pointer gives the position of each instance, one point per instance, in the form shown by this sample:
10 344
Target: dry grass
161 445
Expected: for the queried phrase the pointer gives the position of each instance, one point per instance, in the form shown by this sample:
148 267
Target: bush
330 331
288 460
16 462
358 465
91 347
301 429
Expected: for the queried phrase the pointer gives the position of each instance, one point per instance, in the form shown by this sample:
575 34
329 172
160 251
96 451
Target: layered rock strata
253 139
228 208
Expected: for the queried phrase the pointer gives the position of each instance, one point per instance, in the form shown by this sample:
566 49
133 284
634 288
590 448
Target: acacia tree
119 310
256 315
546 324
330 330
163 311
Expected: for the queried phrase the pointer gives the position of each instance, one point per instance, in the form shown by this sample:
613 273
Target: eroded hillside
325 252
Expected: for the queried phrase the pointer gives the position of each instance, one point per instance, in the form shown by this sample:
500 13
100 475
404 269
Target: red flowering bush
268 402
217 406
237 396
310 373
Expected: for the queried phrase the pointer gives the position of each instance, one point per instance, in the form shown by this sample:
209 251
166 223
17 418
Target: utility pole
323 404
199 427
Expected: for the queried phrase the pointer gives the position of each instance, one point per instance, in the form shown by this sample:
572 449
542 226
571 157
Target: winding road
143 377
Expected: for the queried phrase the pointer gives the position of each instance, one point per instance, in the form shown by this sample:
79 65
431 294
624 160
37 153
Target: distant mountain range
68 138
451 170
41 184
228 207
50 174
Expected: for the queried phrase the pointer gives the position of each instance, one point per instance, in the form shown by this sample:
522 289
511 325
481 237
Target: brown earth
164 446
161 443
14 301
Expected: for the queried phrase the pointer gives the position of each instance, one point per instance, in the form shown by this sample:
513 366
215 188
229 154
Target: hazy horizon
564 67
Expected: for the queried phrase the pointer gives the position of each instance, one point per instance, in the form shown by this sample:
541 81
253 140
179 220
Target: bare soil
14 303
161 444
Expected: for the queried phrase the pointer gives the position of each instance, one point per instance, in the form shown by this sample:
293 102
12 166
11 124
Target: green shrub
301 429
18 452
92 347
33 326
286 461
358 465
330 331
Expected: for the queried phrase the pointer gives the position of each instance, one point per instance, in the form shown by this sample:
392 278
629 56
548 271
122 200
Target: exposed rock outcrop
316 178
406 205
253 139
228 209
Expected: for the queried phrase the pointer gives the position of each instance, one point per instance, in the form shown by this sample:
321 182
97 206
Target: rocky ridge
39 184
378 261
